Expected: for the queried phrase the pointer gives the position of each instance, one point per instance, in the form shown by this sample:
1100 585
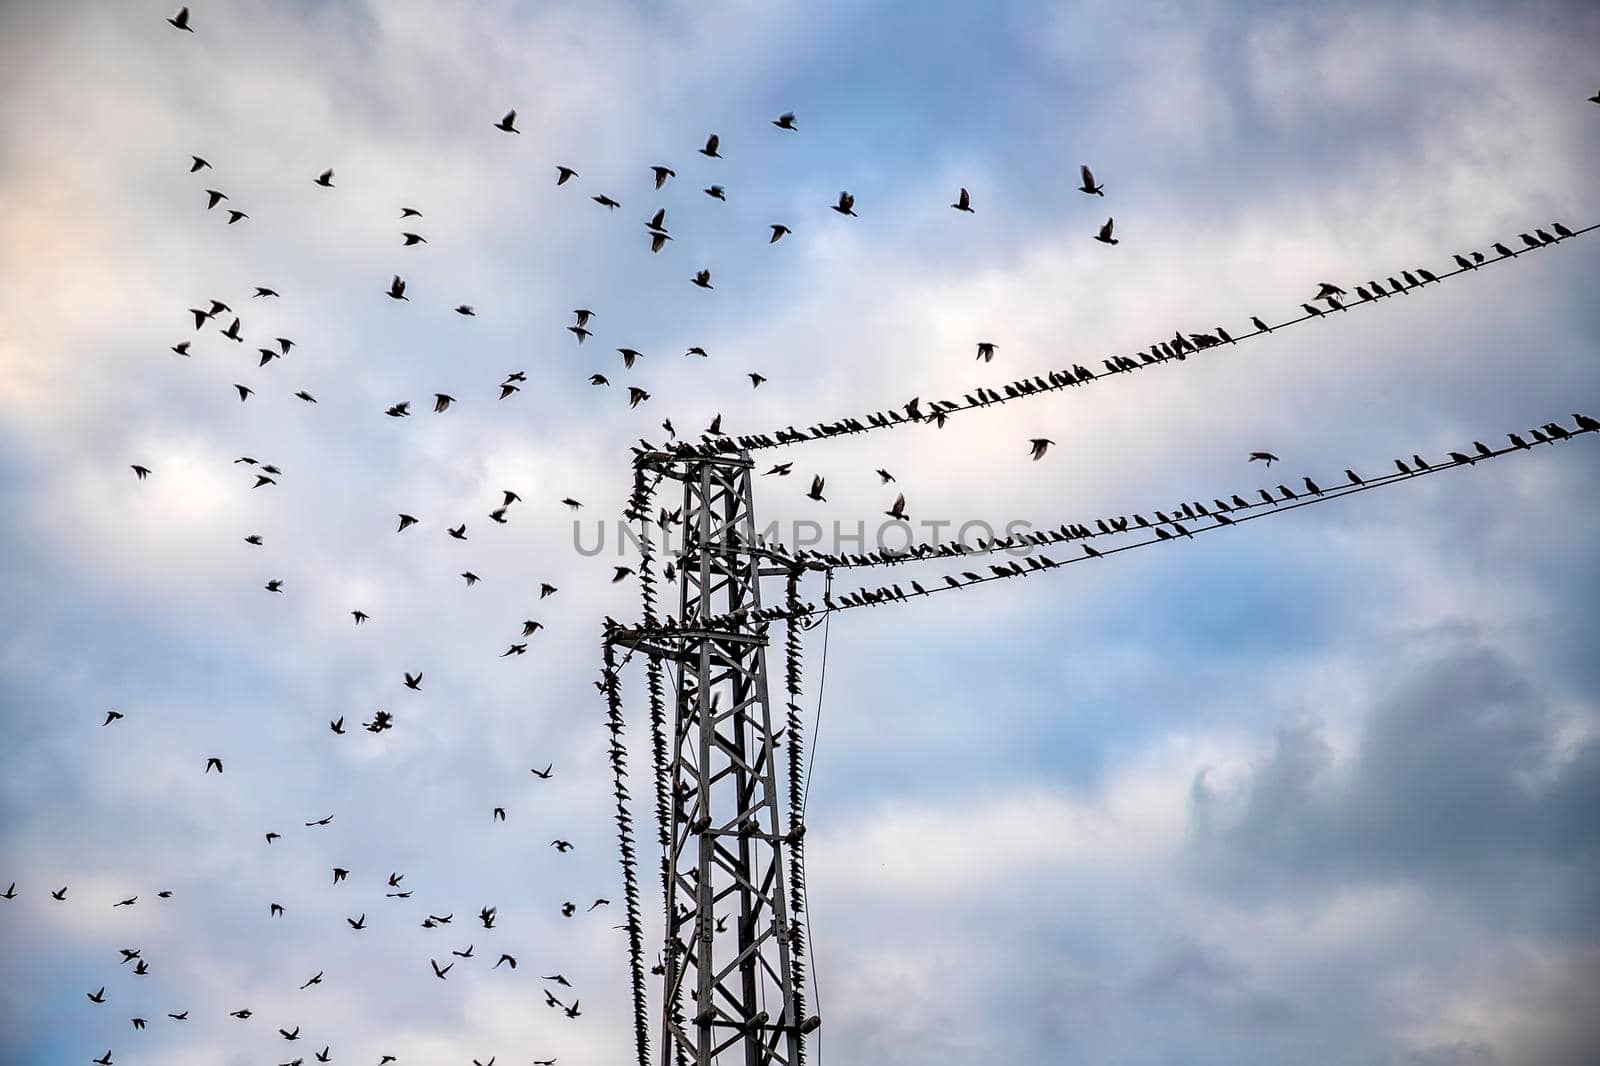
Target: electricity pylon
731 961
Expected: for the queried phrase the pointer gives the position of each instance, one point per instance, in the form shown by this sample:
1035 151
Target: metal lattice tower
731 961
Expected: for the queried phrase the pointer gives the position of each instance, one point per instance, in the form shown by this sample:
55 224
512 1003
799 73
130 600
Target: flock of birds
1328 299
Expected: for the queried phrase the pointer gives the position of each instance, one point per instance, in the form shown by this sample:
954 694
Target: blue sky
1319 789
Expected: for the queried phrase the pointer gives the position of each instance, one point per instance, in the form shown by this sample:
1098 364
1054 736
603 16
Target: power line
1040 537
868 598
1175 350
1549 433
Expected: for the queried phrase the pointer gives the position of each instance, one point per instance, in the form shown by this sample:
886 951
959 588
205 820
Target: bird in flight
785 121
212 761
564 174
963 202
1089 186
197 164
1104 236
181 21
986 351
414 681
662 174
406 522
397 289
816 489
440 973
509 123
710 150
325 179
703 279
846 205
1040 445
778 232
545 774
1263 457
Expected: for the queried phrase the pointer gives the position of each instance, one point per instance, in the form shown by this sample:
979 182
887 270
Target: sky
1319 789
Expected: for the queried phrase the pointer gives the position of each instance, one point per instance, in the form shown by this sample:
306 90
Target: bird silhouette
846 204
508 123
1104 236
181 21
963 202
1089 185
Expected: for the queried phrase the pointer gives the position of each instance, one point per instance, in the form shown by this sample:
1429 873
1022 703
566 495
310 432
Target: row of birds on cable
1218 509
1162 525
1328 299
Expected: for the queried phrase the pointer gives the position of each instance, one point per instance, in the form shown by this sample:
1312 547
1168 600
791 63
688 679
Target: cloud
1315 790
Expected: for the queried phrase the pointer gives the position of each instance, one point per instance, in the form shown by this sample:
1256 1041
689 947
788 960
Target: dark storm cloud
1462 783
